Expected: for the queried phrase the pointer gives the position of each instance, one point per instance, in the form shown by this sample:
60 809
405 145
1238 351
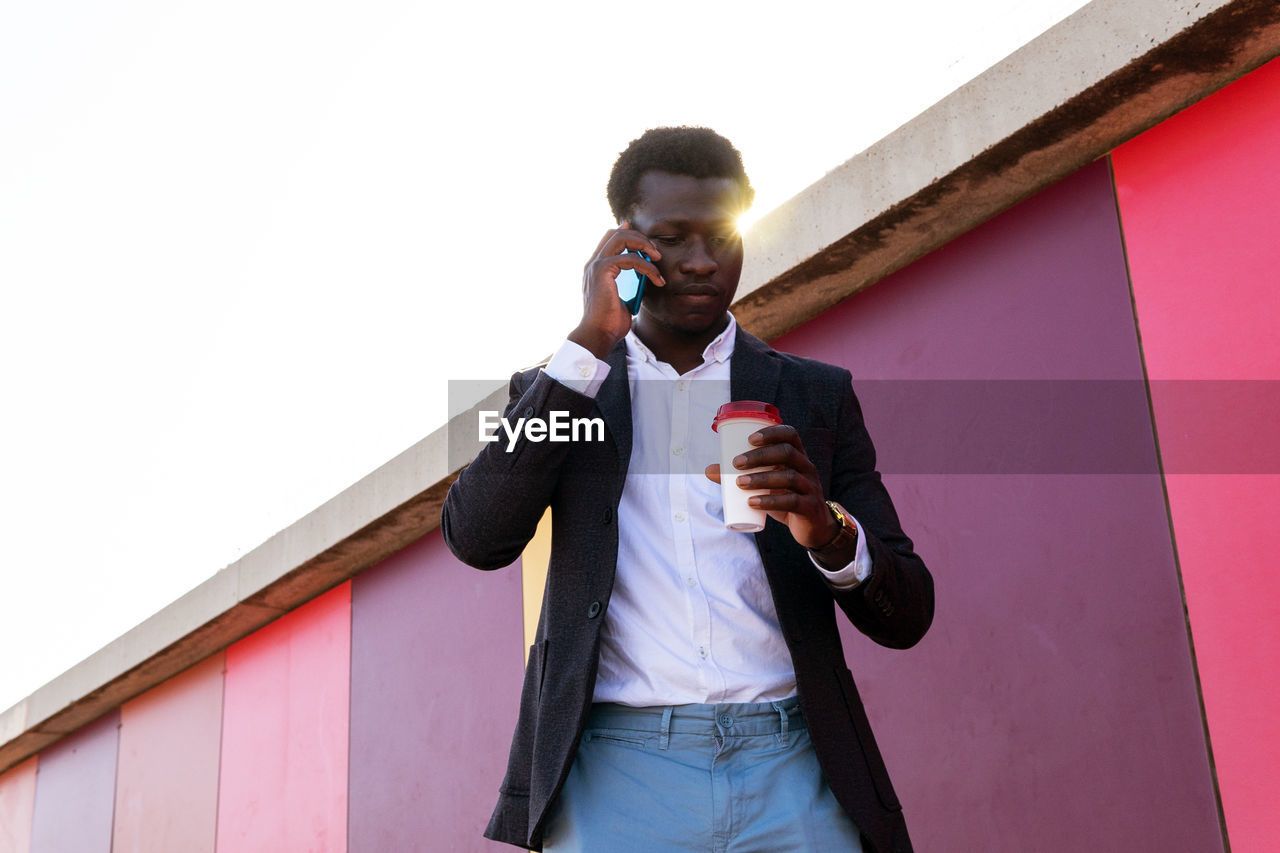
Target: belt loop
786 723
664 733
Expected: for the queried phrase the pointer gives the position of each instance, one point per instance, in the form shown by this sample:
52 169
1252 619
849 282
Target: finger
624 239
779 433
775 455
632 261
713 472
780 479
789 502
603 240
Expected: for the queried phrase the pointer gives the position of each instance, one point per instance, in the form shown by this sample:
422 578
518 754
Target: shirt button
677 451
679 516
584 371
682 386
702 651
690 582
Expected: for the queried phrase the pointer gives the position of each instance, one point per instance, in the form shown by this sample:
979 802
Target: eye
666 240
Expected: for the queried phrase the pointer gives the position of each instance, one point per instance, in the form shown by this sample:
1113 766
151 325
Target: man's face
693 221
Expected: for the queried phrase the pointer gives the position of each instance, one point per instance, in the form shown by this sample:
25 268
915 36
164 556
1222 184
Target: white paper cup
734 423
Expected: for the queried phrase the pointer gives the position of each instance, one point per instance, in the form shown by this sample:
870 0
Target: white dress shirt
691 617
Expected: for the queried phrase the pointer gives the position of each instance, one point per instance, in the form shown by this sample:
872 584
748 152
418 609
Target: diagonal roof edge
1098 78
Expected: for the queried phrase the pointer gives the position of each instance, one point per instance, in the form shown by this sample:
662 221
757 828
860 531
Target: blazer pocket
520 761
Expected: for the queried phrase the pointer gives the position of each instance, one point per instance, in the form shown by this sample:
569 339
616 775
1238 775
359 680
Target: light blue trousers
718 778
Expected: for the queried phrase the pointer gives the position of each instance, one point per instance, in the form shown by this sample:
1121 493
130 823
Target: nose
698 260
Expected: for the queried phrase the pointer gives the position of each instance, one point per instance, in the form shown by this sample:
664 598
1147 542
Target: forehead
665 196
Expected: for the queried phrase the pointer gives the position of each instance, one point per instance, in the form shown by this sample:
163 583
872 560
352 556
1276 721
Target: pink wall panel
1199 198
17 802
75 790
1200 201
435 685
284 733
167 779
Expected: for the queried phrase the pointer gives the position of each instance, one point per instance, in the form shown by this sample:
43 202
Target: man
687 689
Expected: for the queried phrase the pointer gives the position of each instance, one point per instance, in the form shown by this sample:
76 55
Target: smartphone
631 286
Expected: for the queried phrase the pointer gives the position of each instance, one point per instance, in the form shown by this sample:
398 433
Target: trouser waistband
746 719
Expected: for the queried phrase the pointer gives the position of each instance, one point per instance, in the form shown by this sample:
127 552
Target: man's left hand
795 493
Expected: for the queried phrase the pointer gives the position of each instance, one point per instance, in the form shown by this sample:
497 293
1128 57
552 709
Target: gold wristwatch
845 537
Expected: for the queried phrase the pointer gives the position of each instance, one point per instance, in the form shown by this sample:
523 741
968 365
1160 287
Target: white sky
244 245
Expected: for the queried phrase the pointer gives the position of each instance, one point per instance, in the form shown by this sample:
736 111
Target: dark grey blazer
493 509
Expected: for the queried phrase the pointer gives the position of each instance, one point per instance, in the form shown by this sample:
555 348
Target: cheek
732 262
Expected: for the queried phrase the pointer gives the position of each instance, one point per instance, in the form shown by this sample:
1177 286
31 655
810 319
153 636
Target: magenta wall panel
17 802
1198 197
284 733
75 791
167 776
437 663
1200 201
1053 706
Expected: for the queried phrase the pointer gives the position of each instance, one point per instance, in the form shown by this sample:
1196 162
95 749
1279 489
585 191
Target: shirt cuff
853 574
575 367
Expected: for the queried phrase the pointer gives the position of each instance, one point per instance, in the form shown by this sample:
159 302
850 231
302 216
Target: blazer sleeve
492 510
894 605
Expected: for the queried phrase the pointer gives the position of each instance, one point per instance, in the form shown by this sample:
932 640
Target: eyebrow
682 223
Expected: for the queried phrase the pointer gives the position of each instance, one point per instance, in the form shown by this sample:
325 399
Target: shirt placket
681 498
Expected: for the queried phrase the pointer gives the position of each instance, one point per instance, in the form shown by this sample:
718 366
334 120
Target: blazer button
607 515
527 413
594 610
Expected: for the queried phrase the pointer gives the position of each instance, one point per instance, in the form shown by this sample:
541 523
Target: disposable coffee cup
734 422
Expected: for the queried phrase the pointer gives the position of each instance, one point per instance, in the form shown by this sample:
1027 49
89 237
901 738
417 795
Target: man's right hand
605 319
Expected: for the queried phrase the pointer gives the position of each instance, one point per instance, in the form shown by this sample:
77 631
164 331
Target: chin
697 322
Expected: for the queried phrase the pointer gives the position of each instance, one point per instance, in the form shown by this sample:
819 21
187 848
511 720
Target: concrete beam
1100 77
379 515
1094 81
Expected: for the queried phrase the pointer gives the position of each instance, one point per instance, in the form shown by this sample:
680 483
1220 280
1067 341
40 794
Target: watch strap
845 537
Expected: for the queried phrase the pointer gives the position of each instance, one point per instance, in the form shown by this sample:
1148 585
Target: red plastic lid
752 409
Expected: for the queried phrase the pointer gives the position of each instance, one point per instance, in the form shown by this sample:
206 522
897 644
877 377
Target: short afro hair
698 152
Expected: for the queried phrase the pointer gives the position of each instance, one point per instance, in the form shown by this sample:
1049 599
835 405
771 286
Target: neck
678 348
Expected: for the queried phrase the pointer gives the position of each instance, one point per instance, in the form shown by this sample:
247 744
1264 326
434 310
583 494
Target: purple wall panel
1039 292
75 791
1200 199
1053 705
437 662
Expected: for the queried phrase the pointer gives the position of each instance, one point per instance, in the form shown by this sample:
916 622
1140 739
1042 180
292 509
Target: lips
694 290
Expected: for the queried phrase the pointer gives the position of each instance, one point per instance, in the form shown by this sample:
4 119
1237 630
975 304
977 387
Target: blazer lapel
754 369
754 372
614 403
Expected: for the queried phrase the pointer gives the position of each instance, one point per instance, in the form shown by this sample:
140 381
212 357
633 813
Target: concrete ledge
382 513
1096 80
1100 77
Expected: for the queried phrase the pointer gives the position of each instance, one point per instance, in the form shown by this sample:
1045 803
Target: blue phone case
631 286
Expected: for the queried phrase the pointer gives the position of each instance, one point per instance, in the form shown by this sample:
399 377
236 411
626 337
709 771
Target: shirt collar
720 349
